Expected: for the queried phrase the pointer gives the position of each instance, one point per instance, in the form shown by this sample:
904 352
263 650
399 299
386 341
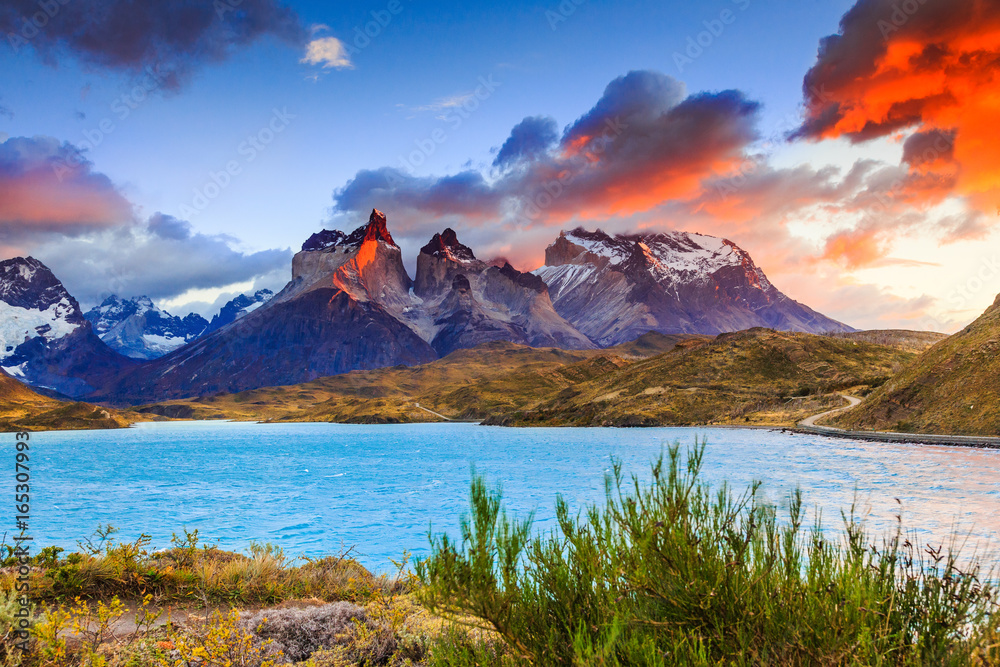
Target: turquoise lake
316 489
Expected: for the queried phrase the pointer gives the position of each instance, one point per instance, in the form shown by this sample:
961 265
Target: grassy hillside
911 341
391 395
23 409
756 377
952 388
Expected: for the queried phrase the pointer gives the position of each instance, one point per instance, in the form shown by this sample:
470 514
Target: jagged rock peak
528 280
446 245
374 230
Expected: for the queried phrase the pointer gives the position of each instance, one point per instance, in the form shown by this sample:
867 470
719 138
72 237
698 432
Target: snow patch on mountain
33 304
138 329
241 306
669 256
18 325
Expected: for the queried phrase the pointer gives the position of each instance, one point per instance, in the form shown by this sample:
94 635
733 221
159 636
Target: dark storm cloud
640 96
169 227
171 36
465 193
532 136
926 148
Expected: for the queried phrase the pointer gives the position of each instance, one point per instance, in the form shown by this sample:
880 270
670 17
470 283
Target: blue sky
543 58
369 116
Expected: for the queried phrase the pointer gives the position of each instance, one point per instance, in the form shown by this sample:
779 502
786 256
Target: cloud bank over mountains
648 154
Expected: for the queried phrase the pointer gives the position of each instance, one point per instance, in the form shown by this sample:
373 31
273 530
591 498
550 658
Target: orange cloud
928 66
856 248
643 143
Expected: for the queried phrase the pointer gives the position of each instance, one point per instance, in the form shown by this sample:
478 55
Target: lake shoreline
944 440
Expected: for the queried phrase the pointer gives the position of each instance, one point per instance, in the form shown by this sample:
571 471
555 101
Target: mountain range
138 329
615 288
351 305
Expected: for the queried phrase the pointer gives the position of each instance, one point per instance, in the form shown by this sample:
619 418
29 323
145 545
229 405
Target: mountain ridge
351 305
613 288
45 341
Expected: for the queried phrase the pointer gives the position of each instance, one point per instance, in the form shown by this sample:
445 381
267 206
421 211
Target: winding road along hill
954 387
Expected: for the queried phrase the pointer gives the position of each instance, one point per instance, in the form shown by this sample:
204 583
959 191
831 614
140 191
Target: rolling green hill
953 388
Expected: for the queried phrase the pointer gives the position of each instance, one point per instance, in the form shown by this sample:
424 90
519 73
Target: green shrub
672 573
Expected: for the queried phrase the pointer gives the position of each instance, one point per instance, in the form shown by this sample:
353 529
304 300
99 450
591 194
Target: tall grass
671 573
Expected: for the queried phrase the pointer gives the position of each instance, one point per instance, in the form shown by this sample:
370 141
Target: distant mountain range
351 305
615 288
138 329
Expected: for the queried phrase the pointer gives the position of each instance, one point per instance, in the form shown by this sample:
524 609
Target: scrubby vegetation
670 573
952 388
665 572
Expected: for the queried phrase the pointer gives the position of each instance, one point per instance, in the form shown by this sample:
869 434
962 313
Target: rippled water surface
316 488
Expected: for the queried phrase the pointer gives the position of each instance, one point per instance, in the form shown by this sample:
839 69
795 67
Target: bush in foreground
665 573
670 573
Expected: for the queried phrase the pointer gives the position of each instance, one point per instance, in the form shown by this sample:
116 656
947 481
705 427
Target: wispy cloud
450 102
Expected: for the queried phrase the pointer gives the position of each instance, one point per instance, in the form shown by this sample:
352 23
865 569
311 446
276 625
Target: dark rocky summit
340 312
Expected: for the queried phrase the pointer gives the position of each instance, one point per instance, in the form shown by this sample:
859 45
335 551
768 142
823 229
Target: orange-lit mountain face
351 305
925 69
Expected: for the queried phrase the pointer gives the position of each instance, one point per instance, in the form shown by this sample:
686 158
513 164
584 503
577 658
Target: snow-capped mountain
615 288
33 304
351 305
238 307
138 329
44 339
